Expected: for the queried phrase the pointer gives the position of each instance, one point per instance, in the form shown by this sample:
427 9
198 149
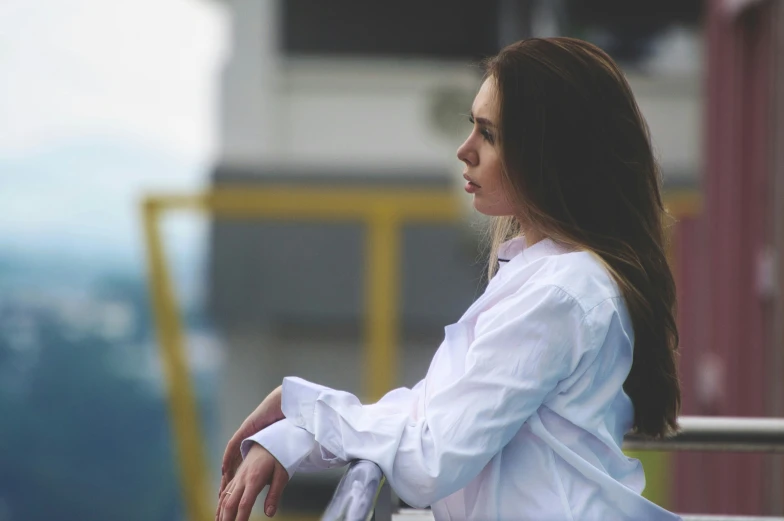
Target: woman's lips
470 187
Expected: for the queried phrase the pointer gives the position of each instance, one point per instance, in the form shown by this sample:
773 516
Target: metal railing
363 483
718 433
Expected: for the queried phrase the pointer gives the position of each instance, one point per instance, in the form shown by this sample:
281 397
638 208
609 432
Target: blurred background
135 337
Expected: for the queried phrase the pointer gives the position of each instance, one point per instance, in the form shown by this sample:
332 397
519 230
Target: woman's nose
467 155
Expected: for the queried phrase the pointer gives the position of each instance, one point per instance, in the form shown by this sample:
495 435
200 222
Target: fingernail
270 511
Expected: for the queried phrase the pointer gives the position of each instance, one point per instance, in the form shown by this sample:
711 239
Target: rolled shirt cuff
287 443
298 401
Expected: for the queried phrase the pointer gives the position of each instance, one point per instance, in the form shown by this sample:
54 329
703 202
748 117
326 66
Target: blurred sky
100 101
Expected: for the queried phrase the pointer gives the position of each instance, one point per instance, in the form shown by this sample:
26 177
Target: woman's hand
258 470
265 415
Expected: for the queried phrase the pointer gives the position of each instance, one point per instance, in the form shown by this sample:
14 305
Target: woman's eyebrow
482 121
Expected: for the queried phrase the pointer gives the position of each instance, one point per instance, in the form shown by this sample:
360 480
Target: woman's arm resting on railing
515 361
296 448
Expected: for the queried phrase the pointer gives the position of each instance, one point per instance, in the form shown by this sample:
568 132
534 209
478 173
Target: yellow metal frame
384 212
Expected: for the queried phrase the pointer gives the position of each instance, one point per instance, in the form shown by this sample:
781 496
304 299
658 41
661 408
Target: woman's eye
485 133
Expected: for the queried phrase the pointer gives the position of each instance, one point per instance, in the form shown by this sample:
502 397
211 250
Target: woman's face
480 154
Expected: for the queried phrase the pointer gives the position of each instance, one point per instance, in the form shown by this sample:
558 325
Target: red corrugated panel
723 316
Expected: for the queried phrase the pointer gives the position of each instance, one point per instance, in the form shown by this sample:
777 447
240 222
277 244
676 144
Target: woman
522 413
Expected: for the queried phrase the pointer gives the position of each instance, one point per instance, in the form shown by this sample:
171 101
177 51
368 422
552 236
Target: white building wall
379 115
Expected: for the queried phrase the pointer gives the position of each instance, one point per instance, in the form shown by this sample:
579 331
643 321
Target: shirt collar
518 247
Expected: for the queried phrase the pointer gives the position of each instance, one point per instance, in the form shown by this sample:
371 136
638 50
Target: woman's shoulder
579 275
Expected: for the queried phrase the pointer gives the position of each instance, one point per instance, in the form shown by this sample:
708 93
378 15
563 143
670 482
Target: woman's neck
532 237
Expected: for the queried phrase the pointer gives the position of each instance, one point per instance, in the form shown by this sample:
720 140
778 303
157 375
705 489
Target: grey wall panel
280 271
313 274
303 275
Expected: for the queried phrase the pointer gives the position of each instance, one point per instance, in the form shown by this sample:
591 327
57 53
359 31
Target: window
631 31
444 29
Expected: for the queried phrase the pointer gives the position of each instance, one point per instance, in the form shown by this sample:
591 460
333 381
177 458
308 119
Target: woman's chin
490 210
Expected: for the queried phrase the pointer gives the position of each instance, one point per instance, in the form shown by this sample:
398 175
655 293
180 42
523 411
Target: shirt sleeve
296 448
522 348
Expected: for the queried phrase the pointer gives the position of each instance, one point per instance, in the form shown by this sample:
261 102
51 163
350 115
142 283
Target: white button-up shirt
522 412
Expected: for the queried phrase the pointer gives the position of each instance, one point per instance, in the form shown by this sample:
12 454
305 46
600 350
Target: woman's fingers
280 479
224 482
258 470
232 457
230 502
225 493
256 481
218 509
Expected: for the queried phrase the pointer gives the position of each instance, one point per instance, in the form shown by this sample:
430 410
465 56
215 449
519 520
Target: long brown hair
577 157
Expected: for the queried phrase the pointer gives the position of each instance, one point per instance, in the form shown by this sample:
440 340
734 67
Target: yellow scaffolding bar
383 212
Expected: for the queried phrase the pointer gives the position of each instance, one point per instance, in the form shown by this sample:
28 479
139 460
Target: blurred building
351 93
730 269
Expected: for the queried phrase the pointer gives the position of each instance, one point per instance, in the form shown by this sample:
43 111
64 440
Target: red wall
724 318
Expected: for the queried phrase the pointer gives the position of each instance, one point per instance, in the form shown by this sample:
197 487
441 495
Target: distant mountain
73 207
92 151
